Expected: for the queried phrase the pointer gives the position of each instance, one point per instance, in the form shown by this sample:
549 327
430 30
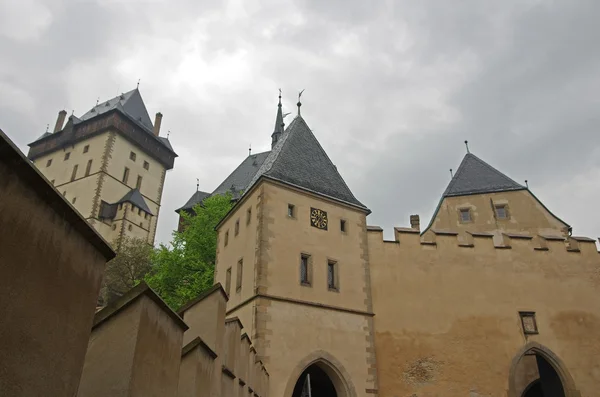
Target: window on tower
501 212
132 156
248 216
86 148
291 212
67 155
465 215
88 167
125 175
138 184
74 174
228 281
146 165
237 227
49 163
332 276
343 225
305 270
238 277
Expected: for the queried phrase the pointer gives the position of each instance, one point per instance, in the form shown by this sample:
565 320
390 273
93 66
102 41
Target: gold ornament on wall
318 218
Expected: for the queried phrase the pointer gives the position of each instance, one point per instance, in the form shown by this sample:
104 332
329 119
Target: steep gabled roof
475 176
240 178
195 199
130 103
135 197
299 160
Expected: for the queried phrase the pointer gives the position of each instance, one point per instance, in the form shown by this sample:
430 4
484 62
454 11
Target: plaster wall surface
48 291
447 316
196 374
525 214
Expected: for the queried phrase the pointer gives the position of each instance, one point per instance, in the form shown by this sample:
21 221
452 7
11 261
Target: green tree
186 268
127 269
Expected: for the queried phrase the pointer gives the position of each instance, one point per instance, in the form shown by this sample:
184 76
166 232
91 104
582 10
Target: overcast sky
393 88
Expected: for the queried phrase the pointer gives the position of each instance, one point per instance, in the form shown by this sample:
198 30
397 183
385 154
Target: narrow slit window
49 163
248 216
138 183
332 275
228 281
238 280
343 225
125 175
237 227
305 269
88 167
226 238
291 210
74 174
67 155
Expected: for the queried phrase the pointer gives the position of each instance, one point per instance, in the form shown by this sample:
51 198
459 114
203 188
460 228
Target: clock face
318 218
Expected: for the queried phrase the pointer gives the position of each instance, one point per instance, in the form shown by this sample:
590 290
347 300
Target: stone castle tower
495 297
110 163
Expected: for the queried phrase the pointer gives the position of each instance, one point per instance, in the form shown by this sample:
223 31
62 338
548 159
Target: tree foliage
127 269
186 268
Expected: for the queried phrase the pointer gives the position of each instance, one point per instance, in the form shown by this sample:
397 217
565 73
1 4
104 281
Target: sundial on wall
318 218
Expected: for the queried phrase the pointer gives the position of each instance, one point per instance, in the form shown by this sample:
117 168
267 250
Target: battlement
411 238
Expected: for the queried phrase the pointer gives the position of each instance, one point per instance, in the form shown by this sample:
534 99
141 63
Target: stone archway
327 369
544 360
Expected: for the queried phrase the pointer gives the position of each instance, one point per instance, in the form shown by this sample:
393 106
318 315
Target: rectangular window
125 175
67 155
238 280
343 225
138 184
528 323
132 156
332 280
465 215
86 148
501 212
146 165
226 238
237 227
74 174
248 216
49 163
291 210
74 200
305 271
88 167
228 281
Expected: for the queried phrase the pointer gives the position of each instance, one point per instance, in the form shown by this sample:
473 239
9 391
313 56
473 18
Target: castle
494 297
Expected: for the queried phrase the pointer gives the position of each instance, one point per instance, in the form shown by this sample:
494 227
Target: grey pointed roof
475 176
130 103
135 197
239 180
298 159
195 199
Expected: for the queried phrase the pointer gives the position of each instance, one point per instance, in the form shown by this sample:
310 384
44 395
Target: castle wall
447 315
525 214
51 265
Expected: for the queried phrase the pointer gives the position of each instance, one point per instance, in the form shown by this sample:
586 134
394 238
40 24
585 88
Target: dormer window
465 215
501 211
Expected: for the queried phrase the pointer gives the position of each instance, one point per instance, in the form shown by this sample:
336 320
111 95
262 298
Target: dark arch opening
320 383
546 381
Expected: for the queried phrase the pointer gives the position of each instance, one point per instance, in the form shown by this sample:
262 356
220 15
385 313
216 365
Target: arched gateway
537 372
328 378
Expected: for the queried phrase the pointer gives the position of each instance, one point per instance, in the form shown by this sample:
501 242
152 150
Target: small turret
278 130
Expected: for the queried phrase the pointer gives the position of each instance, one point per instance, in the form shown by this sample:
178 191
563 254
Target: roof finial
451 176
47 127
72 112
299 103
279 98
138 84
197 184
168 133
467 145
97 101
250 150
526 184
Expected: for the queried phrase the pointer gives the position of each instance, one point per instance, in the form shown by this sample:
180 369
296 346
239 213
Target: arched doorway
328 377
314 382
537 372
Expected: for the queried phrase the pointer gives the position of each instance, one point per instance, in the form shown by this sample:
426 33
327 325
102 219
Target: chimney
157 122
60 121
415 223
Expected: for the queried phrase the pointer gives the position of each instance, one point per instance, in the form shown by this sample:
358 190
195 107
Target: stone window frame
291 211
239 275
460 213
529 314
336 275
306 282
138 182
228 280
125 175
88 167
74 173
344 226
